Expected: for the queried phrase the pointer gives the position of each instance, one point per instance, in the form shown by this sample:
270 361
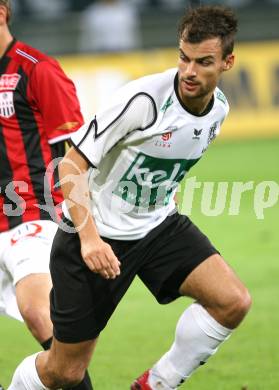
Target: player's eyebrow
208 57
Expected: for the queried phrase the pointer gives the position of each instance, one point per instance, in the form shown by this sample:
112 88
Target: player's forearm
74 185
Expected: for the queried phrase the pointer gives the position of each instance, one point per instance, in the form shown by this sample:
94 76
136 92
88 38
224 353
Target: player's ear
3 15
228 62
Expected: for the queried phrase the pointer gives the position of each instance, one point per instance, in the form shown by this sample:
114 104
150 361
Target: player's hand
100 258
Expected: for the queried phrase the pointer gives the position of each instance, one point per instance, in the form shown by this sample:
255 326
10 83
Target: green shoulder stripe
221 97
167 104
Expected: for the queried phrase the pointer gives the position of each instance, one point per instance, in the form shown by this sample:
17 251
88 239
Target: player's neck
198 106
5 40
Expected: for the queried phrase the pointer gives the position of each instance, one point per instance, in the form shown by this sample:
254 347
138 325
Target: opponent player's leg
32 294
222 301
27 260
63 366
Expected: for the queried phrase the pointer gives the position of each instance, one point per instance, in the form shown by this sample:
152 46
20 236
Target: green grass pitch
141 330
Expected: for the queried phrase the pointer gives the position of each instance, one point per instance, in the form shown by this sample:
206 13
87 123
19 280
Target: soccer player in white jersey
119 180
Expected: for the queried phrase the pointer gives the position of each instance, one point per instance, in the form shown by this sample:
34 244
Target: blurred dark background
90 26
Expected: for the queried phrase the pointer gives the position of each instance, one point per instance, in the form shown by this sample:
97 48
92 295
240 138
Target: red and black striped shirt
38 110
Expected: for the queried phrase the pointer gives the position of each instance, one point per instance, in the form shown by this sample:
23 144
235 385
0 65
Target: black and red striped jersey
38 110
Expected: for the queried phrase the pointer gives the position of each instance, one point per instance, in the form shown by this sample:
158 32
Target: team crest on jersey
212 133
7 108
9 82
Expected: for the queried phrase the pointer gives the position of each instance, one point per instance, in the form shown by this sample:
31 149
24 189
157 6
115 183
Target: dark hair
7 4
205 22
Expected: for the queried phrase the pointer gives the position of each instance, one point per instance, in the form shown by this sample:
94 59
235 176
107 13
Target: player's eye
183 57
205 62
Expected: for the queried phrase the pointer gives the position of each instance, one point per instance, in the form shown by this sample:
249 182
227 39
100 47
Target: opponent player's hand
100 258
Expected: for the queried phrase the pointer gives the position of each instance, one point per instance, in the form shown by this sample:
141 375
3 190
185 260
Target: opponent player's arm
55 96
97 254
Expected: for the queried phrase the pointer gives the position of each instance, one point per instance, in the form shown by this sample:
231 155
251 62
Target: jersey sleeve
221 98
126 113
223 110
55 97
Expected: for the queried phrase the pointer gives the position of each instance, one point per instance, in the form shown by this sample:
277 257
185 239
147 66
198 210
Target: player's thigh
213 283
25 250
172 256
32 291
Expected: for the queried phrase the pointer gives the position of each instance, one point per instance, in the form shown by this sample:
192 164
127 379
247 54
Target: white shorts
24 250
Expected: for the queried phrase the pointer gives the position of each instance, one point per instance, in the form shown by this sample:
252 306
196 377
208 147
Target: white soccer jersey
140 147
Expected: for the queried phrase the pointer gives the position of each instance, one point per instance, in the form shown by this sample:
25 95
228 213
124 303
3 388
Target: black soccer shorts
82 301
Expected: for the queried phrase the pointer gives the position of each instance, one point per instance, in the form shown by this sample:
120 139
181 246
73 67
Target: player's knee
35 318
66 378
238 306
244 302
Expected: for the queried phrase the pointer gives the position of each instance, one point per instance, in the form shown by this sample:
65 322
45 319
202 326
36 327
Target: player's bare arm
97 254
